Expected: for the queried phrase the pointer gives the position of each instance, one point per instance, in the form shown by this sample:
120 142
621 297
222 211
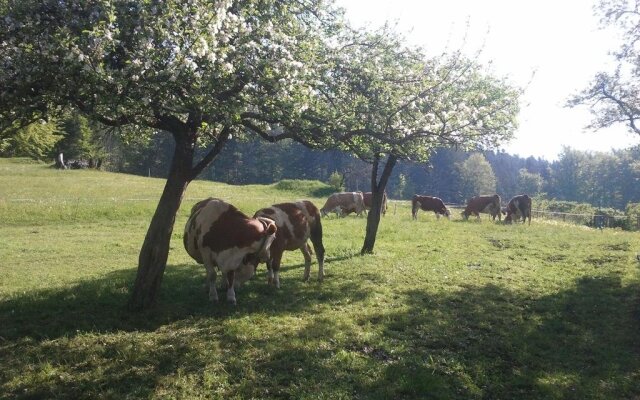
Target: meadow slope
442 310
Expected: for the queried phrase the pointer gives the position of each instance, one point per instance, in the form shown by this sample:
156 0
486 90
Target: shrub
309 188
336 181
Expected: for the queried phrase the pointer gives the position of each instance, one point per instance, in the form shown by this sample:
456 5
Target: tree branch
630 113
223 137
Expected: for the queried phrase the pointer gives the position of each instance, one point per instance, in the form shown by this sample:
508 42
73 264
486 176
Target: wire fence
595 220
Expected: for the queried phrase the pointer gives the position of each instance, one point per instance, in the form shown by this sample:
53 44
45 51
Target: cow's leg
316 239
275 267
306 252
437 215
269 271
211 281
320 257
231 293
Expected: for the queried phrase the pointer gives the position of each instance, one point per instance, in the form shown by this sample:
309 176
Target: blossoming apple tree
387 102
194 69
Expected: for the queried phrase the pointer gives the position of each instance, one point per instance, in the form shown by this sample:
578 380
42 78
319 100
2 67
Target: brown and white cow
344 203
428 203
220 236
519 207
297 223
367 198
483 204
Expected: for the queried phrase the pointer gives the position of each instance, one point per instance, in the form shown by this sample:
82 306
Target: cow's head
260 251
446 212
508 219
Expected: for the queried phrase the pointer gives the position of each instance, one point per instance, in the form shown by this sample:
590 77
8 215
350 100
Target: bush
310 188
336 181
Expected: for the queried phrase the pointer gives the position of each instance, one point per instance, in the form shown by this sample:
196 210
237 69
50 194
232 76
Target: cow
428 203
297 223
519 207
220 236
367 198
483 204
344 203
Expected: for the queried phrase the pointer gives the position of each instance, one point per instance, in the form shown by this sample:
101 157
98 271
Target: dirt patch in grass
600 261
623 246
556 257
500 244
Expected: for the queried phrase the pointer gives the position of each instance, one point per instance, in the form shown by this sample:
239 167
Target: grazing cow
428 203
220 236
367 198
520 207
344 203
483 204
297 222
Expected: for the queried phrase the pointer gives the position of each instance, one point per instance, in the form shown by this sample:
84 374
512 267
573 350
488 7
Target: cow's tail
316 238
414 207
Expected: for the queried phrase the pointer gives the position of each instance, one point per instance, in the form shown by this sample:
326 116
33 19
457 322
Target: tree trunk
377 193
155 249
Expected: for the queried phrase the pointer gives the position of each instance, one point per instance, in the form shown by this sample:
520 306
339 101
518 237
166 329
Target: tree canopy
614 96
196 65
385 101
383 97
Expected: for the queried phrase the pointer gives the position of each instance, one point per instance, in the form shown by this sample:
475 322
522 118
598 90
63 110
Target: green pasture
442 310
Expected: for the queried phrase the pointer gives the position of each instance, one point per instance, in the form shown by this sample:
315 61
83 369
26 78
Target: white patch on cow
231 295
211 212
211 280
282 219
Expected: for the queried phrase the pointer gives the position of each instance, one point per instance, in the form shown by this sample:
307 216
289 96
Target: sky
550 48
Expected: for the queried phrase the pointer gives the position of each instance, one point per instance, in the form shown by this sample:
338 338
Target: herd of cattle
223 238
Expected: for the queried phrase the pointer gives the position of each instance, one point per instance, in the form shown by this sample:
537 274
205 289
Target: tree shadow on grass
490 343
81 342
478 342
99 305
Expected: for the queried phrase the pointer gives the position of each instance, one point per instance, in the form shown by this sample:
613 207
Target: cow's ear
271 229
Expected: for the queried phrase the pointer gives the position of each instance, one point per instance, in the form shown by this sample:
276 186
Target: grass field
442 310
